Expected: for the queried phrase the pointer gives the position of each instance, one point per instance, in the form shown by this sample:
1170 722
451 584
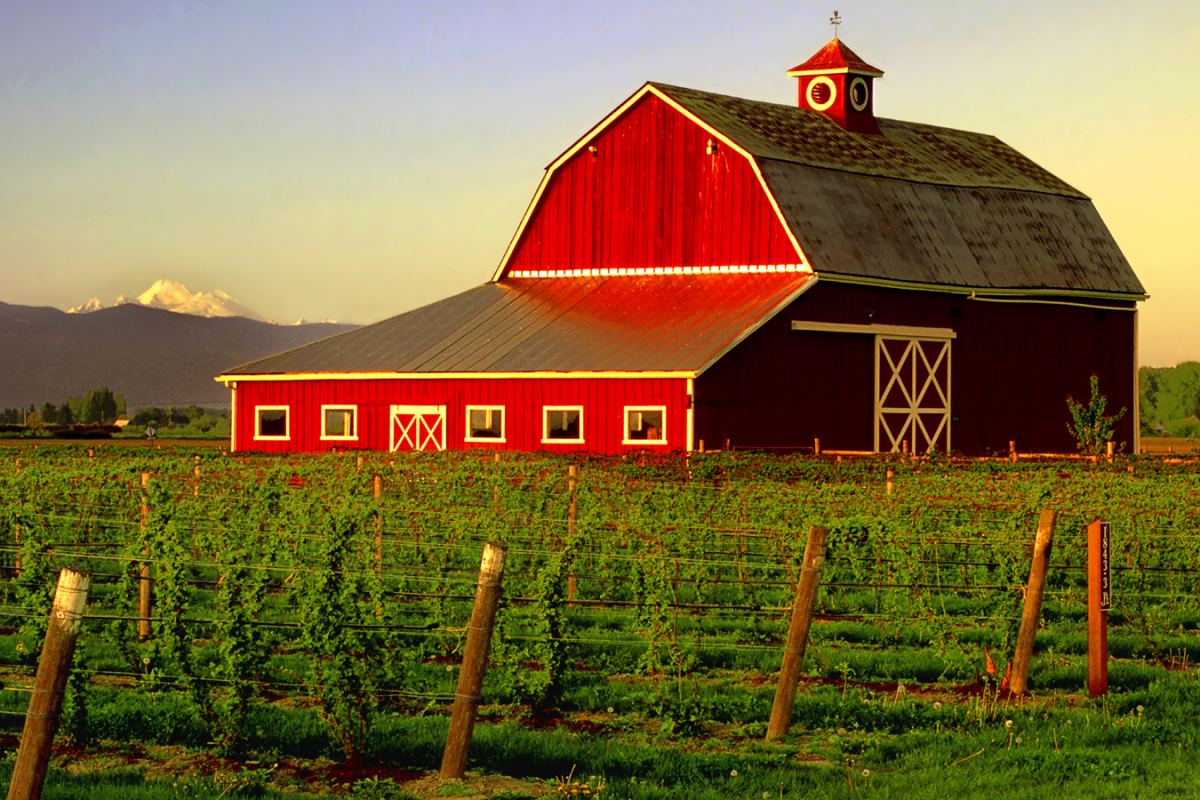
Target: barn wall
650 195
603 401
1013 366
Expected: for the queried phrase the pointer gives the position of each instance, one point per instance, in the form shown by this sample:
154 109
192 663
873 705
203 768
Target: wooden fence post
1099 601
378 523
793 651
474 665
572 508
196 474
144 631
54 666
891 487
817 446
1033 601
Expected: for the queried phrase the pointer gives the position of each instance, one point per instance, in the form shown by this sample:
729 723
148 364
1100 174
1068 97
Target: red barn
701 267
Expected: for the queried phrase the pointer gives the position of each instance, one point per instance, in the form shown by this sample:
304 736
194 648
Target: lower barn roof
644 323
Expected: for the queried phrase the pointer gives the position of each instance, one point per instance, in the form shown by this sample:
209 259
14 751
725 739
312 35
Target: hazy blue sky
356 159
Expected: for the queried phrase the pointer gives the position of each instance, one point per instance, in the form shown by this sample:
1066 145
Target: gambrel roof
919 204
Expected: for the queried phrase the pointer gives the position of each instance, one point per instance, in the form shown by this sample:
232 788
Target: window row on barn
644 425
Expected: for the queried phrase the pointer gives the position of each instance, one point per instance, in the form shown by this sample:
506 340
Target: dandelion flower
1017 740
733 773
1008 724
937 706
610 709
866 773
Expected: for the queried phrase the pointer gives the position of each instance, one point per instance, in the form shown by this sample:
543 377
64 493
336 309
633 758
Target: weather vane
835 20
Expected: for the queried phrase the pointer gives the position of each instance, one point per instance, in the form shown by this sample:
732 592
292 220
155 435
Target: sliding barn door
418 428
912 394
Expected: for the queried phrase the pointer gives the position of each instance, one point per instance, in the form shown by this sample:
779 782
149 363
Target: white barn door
418 428
912 394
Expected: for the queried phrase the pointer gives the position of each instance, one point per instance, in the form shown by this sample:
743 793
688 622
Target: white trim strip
874 330
623 271
796 73
361 376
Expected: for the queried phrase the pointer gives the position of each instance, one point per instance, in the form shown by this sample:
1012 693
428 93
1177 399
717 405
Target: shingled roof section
650 323
919 203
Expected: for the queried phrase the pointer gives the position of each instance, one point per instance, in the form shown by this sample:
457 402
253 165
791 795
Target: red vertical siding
1013 365
603 401
650 195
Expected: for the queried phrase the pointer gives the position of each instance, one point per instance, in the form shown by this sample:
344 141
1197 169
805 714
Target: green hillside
1170 400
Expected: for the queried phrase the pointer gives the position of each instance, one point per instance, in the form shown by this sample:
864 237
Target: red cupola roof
832 58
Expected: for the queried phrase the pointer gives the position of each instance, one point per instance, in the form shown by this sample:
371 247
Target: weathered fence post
1033 601
54 666
817 446
891 487
1109 451
1099 601
1012 451
144 631
572 508
196 474
793 651
474 665
378 523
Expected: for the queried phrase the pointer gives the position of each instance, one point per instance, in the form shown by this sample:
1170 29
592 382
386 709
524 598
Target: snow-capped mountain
174 296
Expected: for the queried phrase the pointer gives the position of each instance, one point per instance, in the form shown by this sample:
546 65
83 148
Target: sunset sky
355 160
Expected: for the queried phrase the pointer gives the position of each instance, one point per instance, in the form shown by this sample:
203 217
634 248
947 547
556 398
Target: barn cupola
838 84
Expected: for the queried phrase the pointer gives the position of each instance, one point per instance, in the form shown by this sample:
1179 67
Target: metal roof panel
584 324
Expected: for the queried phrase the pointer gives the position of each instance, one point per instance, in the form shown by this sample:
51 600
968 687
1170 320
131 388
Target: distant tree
120 400
49 413
76 406
33 420
148 415
100 406
65 417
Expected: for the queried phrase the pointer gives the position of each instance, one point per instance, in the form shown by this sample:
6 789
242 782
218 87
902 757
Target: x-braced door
418 428
912 394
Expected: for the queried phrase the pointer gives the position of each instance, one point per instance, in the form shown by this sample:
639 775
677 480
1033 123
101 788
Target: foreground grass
845 742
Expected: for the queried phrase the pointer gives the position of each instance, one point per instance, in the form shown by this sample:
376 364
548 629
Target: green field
307 635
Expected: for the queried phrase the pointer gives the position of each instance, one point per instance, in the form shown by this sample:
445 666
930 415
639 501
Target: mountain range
174 296
151 355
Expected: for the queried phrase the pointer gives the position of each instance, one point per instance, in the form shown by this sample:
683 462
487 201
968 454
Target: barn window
271 422
485 424
339 422
562 424
645 425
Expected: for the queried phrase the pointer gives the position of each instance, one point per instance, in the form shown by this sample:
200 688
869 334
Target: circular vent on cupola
859 94
821 93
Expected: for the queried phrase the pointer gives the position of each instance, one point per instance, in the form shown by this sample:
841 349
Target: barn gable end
650 188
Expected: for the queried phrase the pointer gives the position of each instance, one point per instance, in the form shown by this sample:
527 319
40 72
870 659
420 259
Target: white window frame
643 442
353 435
287 424
546 428
467 437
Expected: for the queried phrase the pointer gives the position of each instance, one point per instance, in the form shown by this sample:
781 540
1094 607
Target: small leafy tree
1091 429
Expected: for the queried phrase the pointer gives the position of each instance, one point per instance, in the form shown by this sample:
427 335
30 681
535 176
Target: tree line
100 406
